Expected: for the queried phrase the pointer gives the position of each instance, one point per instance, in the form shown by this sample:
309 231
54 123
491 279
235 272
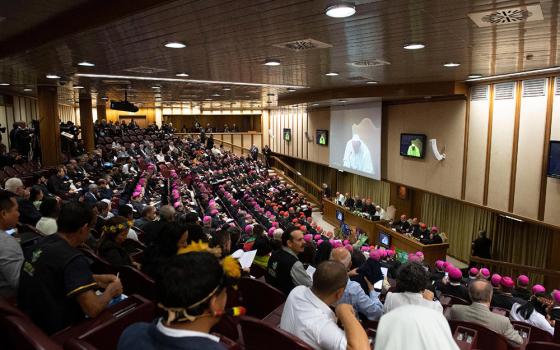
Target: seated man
367 305
480 292
29 214
56 284
452 285
11 255
402 225
503 298
284 270
308 316
193 292
522 290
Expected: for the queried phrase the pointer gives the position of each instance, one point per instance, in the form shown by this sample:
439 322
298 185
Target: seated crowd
179 213
356 204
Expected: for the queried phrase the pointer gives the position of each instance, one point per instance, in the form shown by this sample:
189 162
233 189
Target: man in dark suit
349 201
56 183
480 292
402 225
91 197
453 286
504 298
482 246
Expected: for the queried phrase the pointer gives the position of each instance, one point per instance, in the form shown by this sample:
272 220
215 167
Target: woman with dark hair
113 235
172 237
528 313
412 283
222 240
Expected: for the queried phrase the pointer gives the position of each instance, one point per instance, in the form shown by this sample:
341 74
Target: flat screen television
339 215
322 137
554 159
287 134
384 239
413 145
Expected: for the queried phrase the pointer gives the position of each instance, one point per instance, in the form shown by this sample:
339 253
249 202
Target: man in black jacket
482 246
56 183
29 214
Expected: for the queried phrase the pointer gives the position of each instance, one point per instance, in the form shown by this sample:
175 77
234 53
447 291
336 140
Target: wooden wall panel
529 156
476 156
444 121
236 139
500 155
4 123
552 202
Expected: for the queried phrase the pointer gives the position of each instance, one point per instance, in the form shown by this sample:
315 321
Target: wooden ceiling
228 40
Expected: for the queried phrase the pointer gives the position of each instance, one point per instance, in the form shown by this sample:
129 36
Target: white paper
237 254
246 260
378 284
384 271
310 271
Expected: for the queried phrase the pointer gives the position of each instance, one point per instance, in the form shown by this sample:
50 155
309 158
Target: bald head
342 255
329 278
480 291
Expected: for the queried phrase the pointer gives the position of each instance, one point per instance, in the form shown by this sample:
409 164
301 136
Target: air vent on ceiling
144 70
479 92
508 15
557 88
376 62
116 82
504 91
534 87
303 45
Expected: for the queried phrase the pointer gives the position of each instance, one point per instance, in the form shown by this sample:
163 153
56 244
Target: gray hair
12 184
480 291
167 213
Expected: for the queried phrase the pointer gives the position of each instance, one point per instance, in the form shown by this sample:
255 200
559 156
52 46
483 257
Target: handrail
310 196
306 180
236 146
507 265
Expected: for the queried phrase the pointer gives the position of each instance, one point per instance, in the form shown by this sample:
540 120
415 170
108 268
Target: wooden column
101 111
86 122
47 97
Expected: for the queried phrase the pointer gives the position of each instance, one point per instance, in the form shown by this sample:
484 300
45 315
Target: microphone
235 311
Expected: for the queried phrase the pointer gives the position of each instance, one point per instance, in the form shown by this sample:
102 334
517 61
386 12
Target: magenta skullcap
390 252
349 247
439 264
317 237
413 258
495 280
345 242
449 266
523 280
271 231
473 272
537 288
383 253
485 272
206 219
308 237
364 248
556 296
420 255
214 212
248 228
455 275
374 255
320 241
507 282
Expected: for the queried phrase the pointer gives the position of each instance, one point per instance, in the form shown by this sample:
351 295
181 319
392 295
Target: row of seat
25 171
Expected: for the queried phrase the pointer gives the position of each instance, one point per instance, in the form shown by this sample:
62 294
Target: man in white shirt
308 316
357 155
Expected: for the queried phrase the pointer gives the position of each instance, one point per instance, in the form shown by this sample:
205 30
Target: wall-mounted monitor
554 159
322 137
340 215
384 239
287 135
413 145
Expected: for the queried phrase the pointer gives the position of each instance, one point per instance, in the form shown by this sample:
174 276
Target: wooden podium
432 252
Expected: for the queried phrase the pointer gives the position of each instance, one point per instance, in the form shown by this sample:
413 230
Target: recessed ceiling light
27 90
451 64
78 87
474 76
414 46
175 45
156 87
271 62
341 10
216 95
372 82
4 84
342 101
105 98
52 76
226 88
314 104
291 90
331 74
86 64
207 99
182 74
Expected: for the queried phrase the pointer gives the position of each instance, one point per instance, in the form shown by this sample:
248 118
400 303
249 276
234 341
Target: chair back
76 344
137 282
556 337
257 271
533 333
453 300
227 343
98 265
487 338
524 331
542 345
500 311
22 334
258 335
466 338
259 298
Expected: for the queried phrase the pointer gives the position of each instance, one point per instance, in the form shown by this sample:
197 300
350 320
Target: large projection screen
356 139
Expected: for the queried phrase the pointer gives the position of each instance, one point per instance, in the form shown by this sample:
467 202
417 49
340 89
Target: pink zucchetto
364 248
248 228
349 247
439 265
455 275
537 288
495 280
319 242
556 296
390 253
507 282
523 281
271 232
206 219
473 272
307 237
317 237
374 255
485 273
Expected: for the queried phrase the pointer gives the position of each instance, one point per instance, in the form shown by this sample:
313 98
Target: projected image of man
357 155
413 149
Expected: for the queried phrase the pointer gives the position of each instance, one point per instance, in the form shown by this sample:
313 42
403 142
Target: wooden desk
432 252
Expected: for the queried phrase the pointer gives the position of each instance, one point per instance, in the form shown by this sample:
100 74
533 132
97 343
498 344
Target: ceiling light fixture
216 95
451 64
372 82
27 90
207 99
182 74
4 84
414 46
86 64
474 76
342 101
341 10
175 45
517 74
271 62
331 74
291 90
226 88
52 76
78 87
196 81
314 104
156 87
105 98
